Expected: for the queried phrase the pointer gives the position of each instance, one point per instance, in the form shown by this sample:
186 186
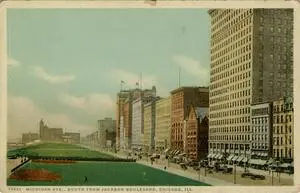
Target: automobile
183 166
253 176
227 170
196 168
192 164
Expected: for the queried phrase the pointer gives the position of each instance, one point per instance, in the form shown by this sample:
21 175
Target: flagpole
141 82
179 78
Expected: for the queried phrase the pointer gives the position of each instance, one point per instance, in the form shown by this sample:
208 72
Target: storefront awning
255 161
235 158
214 155
264 154
230 157
285 165
263 162
166 150
210 155
245 159
221 156
240 158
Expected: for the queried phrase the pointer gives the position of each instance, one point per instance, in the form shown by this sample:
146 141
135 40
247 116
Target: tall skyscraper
251 63
125 96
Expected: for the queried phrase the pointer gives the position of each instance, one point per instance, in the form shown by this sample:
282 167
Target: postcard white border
160 4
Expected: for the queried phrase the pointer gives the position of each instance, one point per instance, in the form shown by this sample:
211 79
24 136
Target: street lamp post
272 177
199 170
234 175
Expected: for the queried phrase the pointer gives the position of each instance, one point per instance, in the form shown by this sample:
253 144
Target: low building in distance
73 138
29 137
50 134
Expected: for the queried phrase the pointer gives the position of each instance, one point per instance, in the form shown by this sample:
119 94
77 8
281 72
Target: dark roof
189 88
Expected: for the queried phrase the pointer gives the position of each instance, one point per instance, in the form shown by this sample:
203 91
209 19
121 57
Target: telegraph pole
199 170
272 177
234 177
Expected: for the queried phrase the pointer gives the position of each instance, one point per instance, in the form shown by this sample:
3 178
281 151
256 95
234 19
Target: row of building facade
251 83
104 136
152 124
246 112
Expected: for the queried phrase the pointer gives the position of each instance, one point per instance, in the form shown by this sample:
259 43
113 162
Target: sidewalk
187 173
12 163
215 178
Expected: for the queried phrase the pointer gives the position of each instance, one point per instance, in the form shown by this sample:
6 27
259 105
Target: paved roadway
216 179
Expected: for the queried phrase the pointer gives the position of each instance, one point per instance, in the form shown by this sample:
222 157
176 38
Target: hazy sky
66 65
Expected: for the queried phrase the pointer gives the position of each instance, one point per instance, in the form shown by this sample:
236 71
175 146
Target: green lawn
107 174
58 149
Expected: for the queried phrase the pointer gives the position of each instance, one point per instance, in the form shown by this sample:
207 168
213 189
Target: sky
66 65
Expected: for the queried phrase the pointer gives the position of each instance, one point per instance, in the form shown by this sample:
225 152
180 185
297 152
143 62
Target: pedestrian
85 179
165 168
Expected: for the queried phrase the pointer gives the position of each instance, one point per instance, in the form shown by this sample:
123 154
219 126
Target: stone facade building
197 133
149 126
251 62
73 137
128 95
122 134
127 115
138 121
105 125
50 134
283 129
261 126
181 100
163 124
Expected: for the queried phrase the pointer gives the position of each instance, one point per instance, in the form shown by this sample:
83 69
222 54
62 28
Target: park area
56 150
67 172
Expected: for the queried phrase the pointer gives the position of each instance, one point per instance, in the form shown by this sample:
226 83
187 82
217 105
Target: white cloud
13 62
53 79
24 116
97 104
193 67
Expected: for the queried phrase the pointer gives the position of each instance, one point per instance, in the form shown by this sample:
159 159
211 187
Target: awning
221 156
214 155
240 158
285 165
177 152
263 162
235 158
230 157
217 156
254 161
166 150
245 159
209 155
270 161
182 154
265 154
